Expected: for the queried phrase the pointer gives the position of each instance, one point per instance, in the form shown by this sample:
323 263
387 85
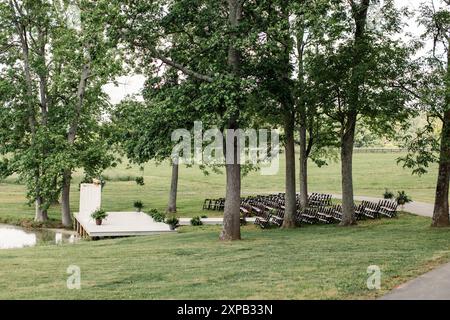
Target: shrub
196 221
173 221
138 205
388 194
99 214
402 198
140 181
157 216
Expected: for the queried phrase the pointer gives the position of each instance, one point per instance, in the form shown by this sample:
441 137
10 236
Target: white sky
128 85
132 85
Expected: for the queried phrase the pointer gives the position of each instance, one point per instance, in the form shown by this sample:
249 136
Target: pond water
14 237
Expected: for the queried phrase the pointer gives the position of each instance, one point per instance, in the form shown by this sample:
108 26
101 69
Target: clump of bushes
140 181
389 195
138 205
402 198
157 216
196 221
173 222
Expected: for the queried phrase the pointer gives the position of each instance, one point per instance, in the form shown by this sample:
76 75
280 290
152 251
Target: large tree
143 129
286 28
273 70
356 68
315 132
55 67
210 48
437 22
431 88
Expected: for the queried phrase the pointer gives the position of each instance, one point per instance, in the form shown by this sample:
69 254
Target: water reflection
58 238
14 237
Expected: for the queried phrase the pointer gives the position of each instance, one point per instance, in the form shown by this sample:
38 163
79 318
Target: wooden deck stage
120 224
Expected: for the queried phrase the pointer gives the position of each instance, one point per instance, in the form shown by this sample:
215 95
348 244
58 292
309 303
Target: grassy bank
313 262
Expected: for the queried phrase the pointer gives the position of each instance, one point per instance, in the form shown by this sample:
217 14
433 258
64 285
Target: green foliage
196 221
423 150
157 216
173 221
365 138
388 194
138 205
41 100
352 79
430 87
99 214
88 179
202 89
140 181
402 198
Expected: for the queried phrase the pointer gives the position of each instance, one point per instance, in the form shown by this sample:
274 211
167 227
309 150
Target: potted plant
402 198
99 215
138 205
173 222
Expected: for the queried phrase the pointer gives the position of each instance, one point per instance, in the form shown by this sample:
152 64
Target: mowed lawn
313 262
373 172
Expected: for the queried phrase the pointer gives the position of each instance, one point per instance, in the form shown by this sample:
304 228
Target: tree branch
180 67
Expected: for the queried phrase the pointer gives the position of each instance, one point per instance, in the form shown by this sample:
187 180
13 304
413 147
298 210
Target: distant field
373 172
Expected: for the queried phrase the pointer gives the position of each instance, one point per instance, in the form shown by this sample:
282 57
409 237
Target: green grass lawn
373 172
314 262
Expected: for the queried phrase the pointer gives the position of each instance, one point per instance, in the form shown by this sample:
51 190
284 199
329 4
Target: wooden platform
119 224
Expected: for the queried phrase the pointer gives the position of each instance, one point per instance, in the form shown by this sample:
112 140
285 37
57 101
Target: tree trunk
40 213
441 205
172 206
303 175
290 199
347 142
359 12
231 216
66 216
288 103
303 159
55 200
